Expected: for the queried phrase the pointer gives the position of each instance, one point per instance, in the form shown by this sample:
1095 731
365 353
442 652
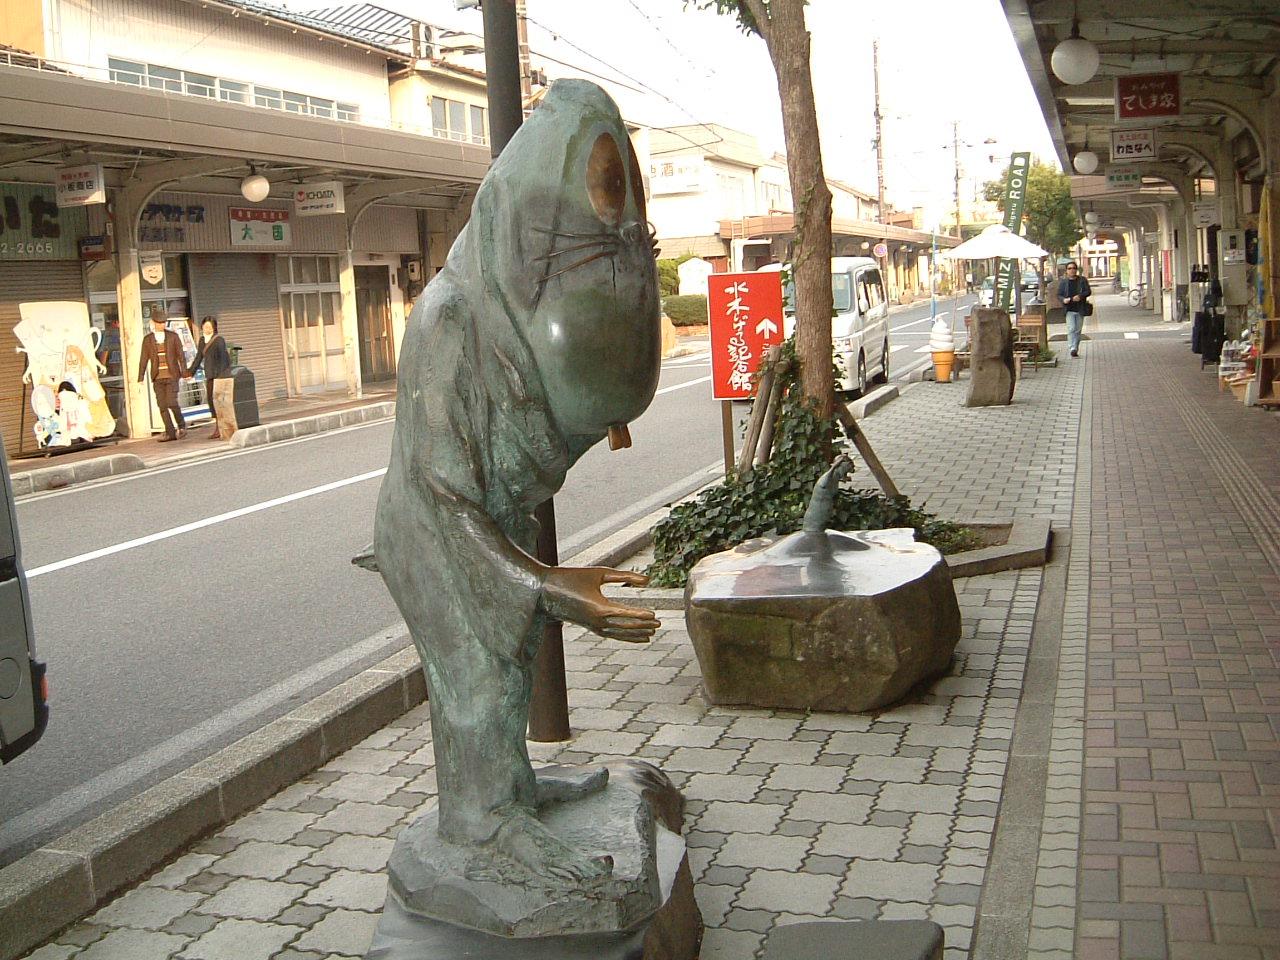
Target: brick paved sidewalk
1155 839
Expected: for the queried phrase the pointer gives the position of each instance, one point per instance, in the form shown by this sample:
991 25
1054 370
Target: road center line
913 323
680 386
201 524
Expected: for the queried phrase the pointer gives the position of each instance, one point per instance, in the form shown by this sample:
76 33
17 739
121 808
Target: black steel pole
549 707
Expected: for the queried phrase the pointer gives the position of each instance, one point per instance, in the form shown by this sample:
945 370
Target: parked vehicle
24 710
860 326
987 292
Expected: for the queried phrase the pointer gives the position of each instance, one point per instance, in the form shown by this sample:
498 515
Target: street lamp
255 186
1085 162
1074 60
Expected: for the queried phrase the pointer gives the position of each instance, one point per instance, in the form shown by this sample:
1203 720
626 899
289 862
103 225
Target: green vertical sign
1015 198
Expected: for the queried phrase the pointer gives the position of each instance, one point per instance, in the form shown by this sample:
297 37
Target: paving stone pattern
1182 766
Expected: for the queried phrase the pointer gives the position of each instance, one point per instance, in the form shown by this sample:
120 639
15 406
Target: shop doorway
373 323
310 309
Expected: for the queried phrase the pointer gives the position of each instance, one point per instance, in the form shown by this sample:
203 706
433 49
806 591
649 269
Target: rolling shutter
239 290
21 283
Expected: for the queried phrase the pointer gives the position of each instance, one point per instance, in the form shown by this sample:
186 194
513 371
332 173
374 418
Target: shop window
348 112
233 91
478 132
457 120
439 118
296 103
322 108
126 71
449 120
267 97
164 78
198 84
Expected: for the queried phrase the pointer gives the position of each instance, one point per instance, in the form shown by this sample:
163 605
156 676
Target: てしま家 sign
746 319
1148 95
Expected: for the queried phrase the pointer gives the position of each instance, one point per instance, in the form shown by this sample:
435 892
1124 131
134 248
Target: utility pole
880 211
955 146
549 707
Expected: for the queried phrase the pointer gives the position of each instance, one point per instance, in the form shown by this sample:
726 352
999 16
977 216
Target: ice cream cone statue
942 344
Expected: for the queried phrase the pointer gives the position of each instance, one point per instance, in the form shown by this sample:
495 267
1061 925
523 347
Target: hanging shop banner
81 185
61 346
1015 198
746 319
1148 95
1130 145
259 227
678 175
151 266
33 227
1124 178
317 199
1204 213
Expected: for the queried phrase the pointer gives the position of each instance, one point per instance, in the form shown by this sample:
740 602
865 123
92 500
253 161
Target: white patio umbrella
996 241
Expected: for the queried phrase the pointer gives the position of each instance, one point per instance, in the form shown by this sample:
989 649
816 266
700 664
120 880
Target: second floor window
173 80
454 120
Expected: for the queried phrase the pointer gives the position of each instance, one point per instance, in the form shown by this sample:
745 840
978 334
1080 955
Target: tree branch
759 10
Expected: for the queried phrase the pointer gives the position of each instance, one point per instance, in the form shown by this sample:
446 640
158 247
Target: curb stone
873 401
53 887
304 426
56 477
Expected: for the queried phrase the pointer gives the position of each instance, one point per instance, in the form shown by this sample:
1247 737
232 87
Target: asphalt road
179 609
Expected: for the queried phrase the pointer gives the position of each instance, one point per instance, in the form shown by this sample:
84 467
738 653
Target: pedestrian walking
1074 292
212 352
162 358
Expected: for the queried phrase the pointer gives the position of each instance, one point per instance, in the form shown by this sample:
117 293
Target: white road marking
901 346
201 524
1130 335
914 323
681 386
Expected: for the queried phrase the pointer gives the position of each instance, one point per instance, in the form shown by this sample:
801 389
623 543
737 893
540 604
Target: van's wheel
883 375
861 385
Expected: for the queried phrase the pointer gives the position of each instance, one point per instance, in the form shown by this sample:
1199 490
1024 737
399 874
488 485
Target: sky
941 62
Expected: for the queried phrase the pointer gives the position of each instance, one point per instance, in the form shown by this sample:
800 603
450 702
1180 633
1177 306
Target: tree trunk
788 42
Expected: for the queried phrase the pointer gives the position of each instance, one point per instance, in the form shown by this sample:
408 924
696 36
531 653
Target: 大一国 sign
746 319
1124 178
80 186
317 199
1148 95
1130 145
259 227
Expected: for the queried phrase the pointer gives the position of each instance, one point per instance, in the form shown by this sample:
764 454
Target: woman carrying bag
212 352
1074 292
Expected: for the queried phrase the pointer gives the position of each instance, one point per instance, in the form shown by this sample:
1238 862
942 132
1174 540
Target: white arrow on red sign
767 328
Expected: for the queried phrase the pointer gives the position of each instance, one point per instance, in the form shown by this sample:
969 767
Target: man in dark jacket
162 358
1074 291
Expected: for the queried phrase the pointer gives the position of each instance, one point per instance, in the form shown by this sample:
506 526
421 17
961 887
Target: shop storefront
39 260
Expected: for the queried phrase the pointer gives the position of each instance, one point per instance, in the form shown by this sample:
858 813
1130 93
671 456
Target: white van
860 327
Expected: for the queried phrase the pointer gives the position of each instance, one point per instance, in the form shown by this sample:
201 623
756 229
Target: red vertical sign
746 318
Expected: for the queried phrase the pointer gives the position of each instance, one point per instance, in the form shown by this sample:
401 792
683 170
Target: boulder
991 371
824 620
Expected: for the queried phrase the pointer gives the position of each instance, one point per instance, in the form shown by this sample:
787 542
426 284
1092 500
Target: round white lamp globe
1085 162
255 188
1074 60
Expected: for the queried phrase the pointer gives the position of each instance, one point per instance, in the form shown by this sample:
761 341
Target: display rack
1269 363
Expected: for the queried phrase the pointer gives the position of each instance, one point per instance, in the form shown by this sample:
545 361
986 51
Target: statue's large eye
606 181
637 180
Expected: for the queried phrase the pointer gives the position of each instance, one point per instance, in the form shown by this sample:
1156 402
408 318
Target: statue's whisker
580 246
583 262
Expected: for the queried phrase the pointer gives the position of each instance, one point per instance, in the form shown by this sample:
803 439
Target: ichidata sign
318 199
746 319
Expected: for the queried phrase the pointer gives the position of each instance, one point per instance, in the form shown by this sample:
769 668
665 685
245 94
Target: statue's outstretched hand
573 594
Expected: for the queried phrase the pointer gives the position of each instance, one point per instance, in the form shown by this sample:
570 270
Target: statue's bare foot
559 783
523 838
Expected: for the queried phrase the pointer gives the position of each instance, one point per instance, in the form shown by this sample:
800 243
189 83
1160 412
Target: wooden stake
754 426
726 426
854 433
770 418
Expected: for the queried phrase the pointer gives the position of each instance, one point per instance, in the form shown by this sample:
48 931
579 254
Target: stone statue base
447 901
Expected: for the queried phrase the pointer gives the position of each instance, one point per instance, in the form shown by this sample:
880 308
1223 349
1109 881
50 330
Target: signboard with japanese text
318 199
1148 95
746 319
80 186
1130 145
259 227
1124 178
1205 213
676 175
34 227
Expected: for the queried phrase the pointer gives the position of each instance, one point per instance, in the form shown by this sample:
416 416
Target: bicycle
1137 293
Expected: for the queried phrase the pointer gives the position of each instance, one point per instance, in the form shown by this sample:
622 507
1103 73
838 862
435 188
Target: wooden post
854 433
756 424
770 419
726 426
